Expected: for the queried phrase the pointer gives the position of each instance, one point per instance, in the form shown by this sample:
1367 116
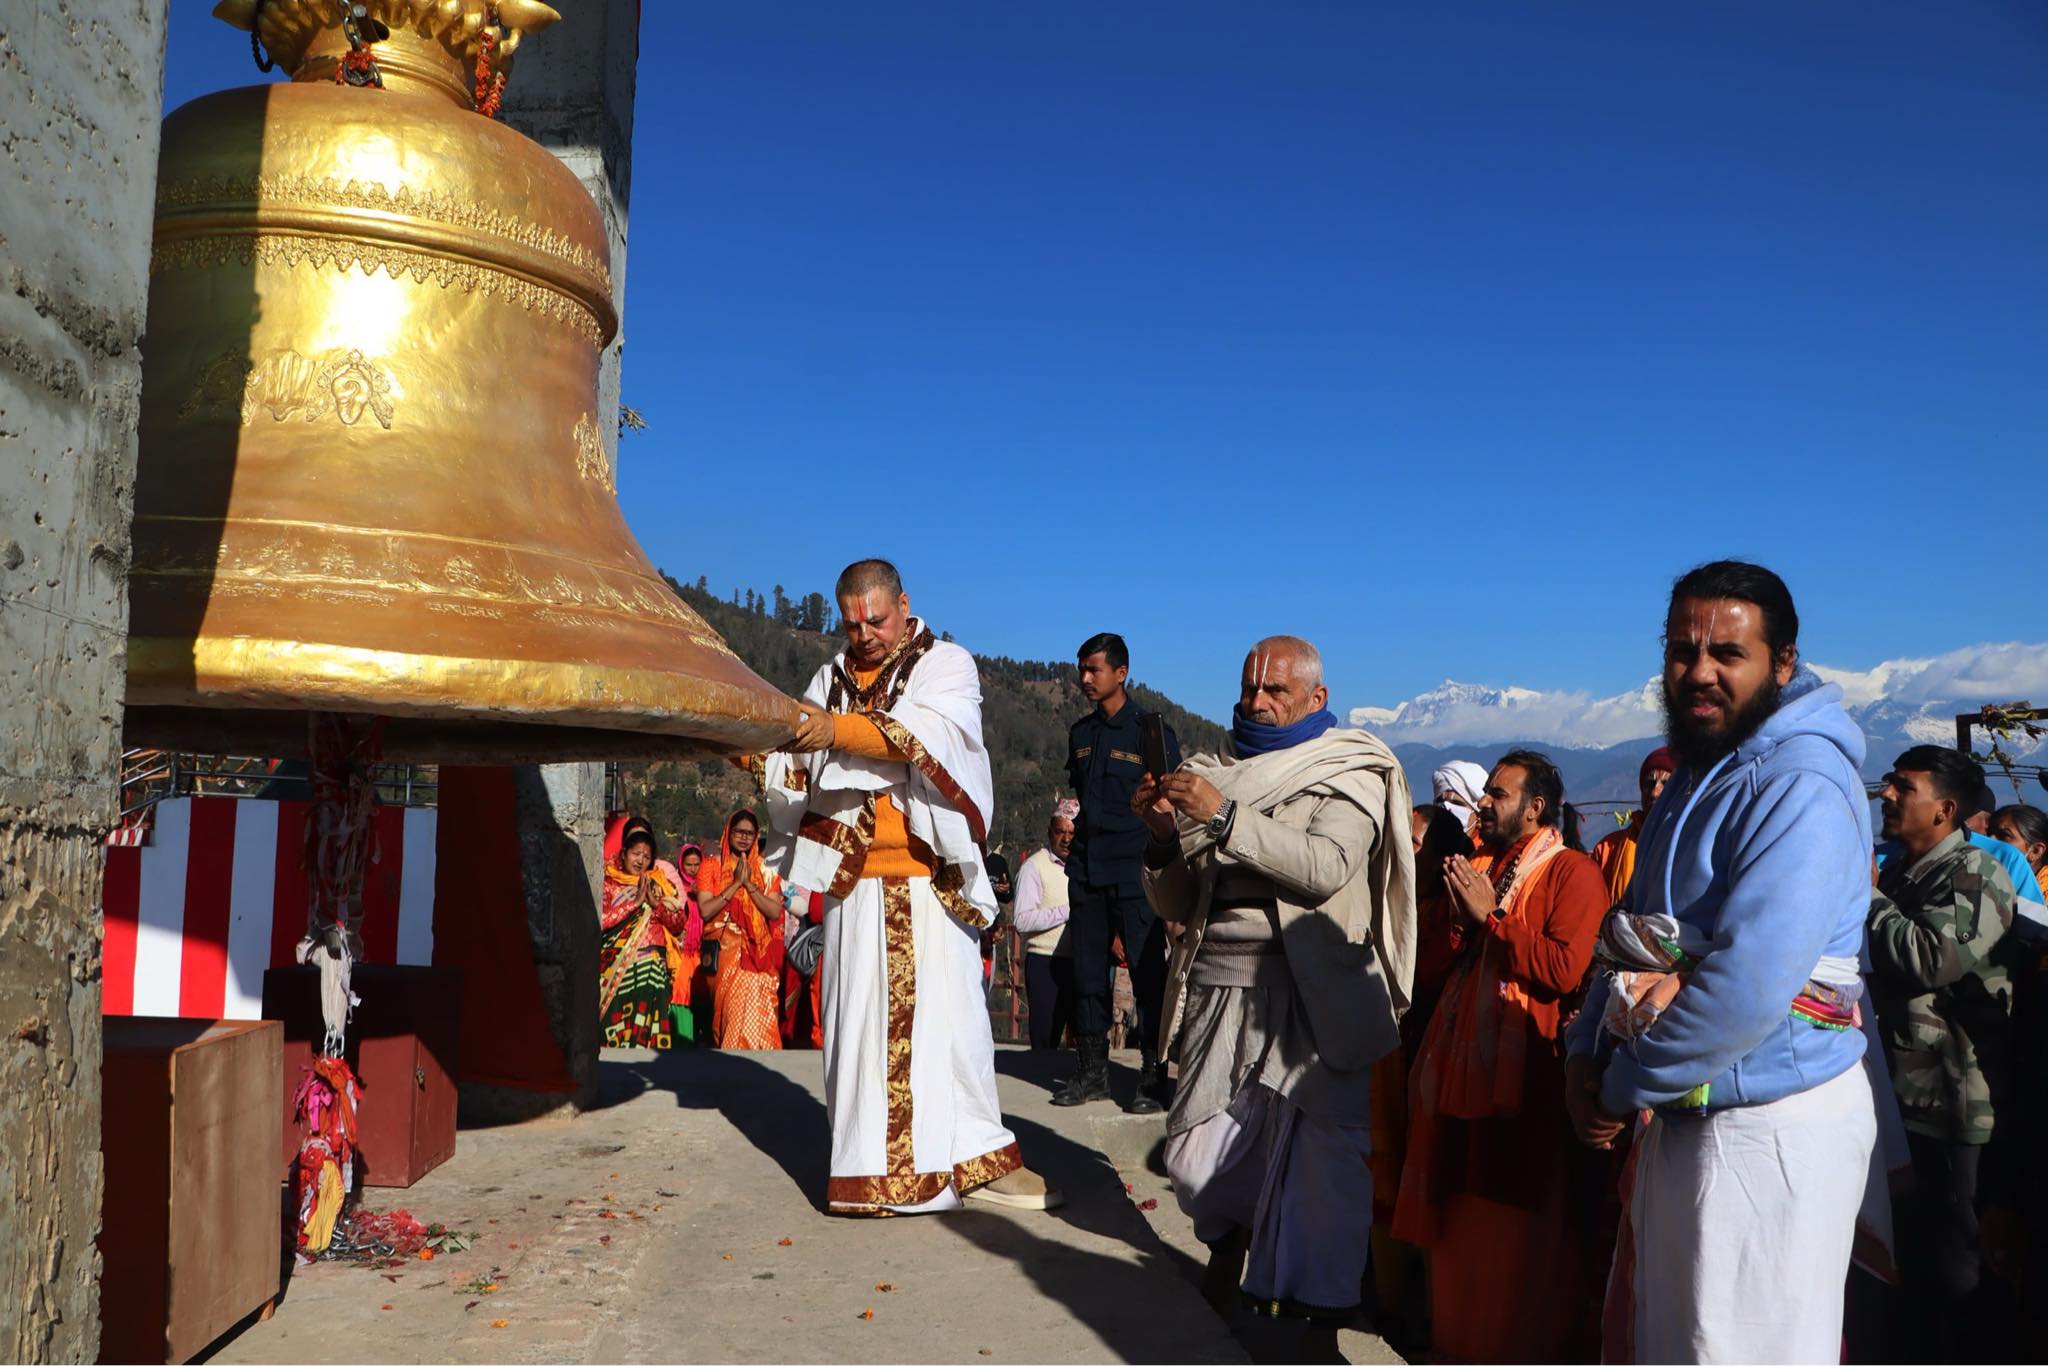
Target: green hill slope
1026 708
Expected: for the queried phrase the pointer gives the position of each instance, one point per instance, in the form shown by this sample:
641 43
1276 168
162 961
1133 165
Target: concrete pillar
81 96
571 90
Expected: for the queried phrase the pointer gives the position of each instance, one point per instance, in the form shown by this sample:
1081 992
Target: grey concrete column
571 90
81 98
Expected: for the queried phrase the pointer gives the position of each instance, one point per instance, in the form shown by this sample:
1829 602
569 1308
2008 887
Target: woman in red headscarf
742 904
643 914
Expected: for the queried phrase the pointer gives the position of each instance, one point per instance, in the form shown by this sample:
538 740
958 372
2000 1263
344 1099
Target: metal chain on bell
264 63
357 66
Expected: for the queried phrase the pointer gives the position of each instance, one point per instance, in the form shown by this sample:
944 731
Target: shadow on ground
786 1122
778 1116
1049 1069
1117 1299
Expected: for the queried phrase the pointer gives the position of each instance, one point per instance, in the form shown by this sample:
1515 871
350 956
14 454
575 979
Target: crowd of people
712 950
1748 1080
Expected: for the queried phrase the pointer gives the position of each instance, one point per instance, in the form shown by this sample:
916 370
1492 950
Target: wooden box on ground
191 1233
401 1044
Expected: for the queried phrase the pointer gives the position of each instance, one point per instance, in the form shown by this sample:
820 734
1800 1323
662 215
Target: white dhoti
910 1074
1739 1230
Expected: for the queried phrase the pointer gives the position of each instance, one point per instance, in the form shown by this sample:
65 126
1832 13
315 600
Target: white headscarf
1458 786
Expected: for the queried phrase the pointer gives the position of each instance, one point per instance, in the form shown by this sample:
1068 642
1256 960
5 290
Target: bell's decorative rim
293 675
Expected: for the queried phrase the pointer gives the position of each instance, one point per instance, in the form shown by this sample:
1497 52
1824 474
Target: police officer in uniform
1105 760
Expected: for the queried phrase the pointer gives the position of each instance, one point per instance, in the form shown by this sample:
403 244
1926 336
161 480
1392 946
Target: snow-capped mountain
1898 703
1471 713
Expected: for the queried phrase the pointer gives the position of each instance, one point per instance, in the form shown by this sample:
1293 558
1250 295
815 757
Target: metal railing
149 776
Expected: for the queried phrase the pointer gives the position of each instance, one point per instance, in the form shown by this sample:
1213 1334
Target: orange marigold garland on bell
490 85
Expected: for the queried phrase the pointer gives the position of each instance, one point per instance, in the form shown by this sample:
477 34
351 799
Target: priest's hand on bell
1470 889
815 730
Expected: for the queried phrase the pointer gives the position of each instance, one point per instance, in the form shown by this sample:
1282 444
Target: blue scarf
1255 737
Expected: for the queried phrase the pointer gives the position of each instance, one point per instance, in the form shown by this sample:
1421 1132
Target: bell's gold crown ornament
372 476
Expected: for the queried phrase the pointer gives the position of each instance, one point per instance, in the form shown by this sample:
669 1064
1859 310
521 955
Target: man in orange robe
1488 1181
1616 854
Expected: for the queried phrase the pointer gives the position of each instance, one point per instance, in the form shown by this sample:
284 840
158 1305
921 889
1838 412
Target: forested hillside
1026 708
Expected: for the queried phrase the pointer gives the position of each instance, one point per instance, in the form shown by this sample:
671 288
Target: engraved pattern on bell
372 475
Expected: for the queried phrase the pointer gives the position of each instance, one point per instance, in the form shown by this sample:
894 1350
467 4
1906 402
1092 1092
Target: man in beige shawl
1290 869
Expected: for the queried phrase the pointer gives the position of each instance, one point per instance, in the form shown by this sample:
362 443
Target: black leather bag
805 948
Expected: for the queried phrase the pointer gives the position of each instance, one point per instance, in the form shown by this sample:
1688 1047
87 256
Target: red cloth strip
209 895
121 896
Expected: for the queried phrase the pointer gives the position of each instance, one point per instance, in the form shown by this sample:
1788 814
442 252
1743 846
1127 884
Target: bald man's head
1282 681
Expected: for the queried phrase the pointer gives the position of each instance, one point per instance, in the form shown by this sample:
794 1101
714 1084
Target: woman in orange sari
742 904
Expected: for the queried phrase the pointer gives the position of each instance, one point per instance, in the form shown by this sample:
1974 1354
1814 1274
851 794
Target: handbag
805 948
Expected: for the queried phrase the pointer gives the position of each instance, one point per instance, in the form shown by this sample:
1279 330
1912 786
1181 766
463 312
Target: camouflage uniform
1941 981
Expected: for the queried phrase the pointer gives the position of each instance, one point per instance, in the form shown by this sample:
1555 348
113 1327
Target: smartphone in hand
1152 737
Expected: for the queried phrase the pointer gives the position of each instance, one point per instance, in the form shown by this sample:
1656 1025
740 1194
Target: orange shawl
1472 1057
1616 856
748 941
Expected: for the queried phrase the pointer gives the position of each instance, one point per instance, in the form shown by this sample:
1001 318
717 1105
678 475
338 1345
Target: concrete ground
680 1221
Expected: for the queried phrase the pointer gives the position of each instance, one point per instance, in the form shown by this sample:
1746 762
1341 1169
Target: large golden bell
372 475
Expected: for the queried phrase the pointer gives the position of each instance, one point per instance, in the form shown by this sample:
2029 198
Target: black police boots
1155 1092
1092 1081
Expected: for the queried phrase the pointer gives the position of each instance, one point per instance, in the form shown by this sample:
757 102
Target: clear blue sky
1443 335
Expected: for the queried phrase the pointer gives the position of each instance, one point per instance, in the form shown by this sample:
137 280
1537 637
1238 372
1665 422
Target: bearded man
1616 854
1489 1173
883 801
1727 1001
1290 866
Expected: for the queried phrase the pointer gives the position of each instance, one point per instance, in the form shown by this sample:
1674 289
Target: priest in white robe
883 803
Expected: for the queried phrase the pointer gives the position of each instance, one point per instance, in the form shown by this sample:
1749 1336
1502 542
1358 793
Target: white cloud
1976 673
1466 713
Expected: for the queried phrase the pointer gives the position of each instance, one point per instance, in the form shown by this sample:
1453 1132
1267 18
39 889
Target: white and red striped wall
218 895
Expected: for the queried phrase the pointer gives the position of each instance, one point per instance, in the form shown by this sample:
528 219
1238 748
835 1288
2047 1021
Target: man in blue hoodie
1726 1003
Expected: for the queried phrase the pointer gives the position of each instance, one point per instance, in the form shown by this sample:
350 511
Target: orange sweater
893 853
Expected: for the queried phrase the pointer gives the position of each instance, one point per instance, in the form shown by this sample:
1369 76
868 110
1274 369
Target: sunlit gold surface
298 33
371 475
